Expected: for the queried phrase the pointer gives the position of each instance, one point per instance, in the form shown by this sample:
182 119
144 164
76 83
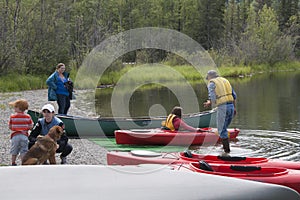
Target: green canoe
76 126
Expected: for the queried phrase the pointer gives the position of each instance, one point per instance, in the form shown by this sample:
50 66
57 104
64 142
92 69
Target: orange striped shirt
20 123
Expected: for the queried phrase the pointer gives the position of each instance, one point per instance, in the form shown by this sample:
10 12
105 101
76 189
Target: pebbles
84 151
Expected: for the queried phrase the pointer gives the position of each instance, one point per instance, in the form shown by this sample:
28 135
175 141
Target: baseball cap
48 107
211 74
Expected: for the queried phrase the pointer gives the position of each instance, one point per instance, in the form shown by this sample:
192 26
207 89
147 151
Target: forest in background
37 34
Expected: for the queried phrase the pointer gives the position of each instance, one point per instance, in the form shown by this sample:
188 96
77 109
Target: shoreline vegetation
240 37
20 82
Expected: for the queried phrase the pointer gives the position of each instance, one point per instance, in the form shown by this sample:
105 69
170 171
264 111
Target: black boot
226 147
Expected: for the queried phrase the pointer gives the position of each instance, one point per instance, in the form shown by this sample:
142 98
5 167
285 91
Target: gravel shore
84 151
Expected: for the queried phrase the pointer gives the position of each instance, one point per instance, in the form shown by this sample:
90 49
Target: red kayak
239 160
136 157
274 175
165 137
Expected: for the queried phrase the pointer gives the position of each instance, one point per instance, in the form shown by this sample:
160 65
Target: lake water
268 111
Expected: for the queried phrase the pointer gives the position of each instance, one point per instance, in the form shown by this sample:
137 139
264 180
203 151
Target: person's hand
199 130
234 112
207 104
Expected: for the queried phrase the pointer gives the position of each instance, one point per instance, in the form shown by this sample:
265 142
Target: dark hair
177 111
59 65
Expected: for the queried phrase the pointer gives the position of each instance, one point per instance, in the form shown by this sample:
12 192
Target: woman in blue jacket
60 88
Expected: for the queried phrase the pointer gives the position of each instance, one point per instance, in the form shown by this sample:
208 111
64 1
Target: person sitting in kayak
174 121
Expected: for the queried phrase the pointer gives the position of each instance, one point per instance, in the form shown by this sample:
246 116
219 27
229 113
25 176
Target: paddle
205 130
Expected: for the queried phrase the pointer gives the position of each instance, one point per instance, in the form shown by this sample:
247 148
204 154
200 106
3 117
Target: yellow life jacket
223 90
169 122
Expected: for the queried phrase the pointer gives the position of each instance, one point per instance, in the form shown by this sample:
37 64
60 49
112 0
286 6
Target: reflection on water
142 100
269 101
261 143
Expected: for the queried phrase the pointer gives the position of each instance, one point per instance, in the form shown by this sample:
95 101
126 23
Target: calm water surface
268 112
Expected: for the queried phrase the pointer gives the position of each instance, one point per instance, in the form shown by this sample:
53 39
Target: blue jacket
56 86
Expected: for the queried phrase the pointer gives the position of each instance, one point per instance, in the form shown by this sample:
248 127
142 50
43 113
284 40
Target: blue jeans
63 102
19 144
225 113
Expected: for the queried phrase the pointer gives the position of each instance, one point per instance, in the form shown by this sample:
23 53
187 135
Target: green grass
110 145
235 71
146 74
21 82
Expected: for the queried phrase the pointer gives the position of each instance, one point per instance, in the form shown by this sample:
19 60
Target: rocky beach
84 151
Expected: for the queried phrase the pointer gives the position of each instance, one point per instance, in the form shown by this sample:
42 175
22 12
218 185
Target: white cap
48 107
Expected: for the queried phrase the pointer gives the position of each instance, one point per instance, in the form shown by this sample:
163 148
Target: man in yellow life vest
221 95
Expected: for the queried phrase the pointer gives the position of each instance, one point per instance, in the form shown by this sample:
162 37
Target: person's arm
10 123
211 95
234 100
30 123
35 131
51 81
181 124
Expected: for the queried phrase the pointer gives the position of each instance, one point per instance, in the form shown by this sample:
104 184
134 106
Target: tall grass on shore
150 72
187 71
17 82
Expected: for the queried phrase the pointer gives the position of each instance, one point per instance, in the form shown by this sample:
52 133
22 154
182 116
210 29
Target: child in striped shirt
20 123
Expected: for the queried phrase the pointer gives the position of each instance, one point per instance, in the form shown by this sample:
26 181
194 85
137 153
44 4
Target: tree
263 42
285 9
211 26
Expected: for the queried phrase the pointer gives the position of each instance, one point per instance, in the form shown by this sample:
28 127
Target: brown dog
44 148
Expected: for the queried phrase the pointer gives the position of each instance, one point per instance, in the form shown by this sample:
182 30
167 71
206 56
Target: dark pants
65 150
63 102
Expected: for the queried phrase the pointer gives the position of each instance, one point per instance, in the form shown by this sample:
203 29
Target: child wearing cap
20 123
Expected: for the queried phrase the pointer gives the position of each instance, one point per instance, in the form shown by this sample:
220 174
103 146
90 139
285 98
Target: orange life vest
169 122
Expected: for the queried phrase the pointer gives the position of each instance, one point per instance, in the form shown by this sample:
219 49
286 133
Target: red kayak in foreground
136 157
165 137
239 160
274 175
